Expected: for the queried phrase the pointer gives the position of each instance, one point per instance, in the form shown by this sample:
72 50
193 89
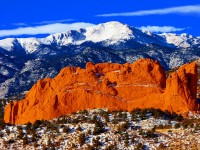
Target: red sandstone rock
142 84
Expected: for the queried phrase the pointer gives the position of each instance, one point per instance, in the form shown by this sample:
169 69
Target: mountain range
25 60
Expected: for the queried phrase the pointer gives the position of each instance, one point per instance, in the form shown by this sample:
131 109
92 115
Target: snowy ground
100 129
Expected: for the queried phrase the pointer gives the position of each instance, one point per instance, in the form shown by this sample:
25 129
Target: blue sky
22 18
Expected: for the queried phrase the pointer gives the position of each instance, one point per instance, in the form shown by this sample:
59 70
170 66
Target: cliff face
142 84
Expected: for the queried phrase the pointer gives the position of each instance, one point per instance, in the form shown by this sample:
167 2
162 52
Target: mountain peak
112 31
8 43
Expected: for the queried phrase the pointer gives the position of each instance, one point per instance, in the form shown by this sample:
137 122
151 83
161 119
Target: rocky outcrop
142 84
179 95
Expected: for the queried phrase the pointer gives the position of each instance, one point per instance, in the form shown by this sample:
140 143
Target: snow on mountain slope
7 44
183 40
113 31
29 44
70 37
108 33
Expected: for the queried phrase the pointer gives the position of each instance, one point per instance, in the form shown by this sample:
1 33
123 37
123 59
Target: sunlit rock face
142 84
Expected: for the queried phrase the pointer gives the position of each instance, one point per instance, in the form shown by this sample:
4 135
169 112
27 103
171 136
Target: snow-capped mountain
29 45
182 41
24 60
108 34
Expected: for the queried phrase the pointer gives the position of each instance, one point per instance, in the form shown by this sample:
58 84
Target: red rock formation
142 84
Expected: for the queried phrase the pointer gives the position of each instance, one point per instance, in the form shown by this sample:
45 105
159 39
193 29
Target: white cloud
161 28
44 29
190 9
42 22
53 21
19 24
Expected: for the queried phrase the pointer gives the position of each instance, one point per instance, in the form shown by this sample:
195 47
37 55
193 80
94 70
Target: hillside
101 129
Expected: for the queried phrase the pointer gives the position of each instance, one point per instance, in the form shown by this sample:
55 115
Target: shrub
99 128
140 146
7 131
81 139
84 112
96 142
25 140
150 134
79 128
1 134
28 126
11 141
160 126
177 125
161 146
66 129
20 134
2 124
37 124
